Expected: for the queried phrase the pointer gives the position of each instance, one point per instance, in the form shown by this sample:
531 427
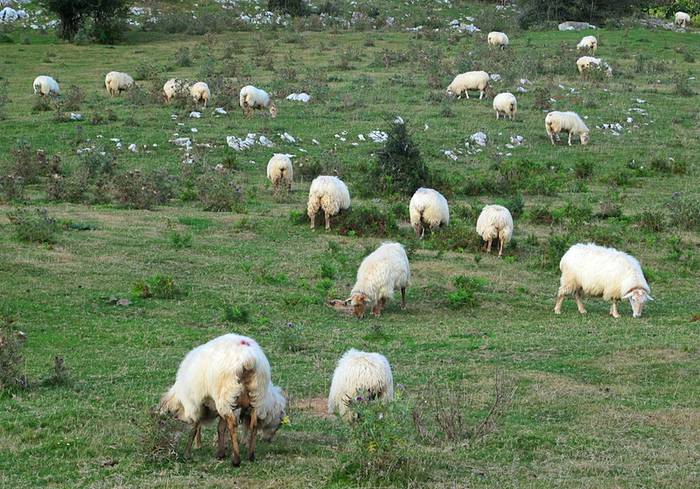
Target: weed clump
163 437
236 314
157 287
34 226
465 295
12 374
365 220
218 191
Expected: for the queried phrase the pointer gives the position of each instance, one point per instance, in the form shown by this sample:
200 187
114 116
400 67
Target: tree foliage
105 19
593 11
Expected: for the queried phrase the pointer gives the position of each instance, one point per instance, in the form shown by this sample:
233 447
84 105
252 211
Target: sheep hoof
556 311
251 457
583 311
220 455
236 462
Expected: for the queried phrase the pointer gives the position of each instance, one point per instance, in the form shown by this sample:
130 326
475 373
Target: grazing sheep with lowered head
359 372
589 43
471 80
175 87
228 378
570 122
598 271
329 194
587 63
251 98
505 103
200 93
428 209
682 19
497 39
495 222
117 82
45 85
280 170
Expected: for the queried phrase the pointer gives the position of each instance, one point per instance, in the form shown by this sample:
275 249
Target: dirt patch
314 406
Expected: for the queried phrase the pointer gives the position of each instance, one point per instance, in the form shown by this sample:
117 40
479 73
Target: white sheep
570 122
505 103
586 63
379 274
329 194
45 86
428 209
200 93
229 378
495 222
279 170
682 19
471 80
598 271
175 87
589 43
251 98
359 373
117 82
497 39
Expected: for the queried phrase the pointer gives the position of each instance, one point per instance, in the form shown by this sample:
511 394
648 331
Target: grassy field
597 402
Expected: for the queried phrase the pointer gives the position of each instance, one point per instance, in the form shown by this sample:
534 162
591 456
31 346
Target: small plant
236 314
465 293
163 436
218 191
157 287
684 212
365 220
681 85
182 57
328 270
653 221
34 226
291 338
60 375
180 240
11 188
12 374
541 99
72 99
138 190
4 97
145 70
583 169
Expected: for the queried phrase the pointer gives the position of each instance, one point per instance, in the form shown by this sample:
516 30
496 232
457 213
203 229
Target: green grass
598 402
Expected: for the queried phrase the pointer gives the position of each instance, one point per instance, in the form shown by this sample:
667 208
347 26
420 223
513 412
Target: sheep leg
500 248
481 94
551 137
198 437
488 245
190 439
328 220
560 301
466 94
496 115
232 426
377 309
313 220
579 302
252 432
403 297
221 440
613 309
569 139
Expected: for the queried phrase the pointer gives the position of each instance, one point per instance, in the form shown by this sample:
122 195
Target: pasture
596 401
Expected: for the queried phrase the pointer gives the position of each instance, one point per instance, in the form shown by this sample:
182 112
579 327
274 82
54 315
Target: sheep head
340 305
585 137
637 298
358 301
169 403
276 414
273 110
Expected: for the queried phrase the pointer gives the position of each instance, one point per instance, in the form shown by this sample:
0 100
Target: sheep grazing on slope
495 222
570 122
471 80
589 43
587 63
497 39
682 19
602 272
280 170
329 194
174 87
428 209
117 82
505 103
252 98
45 85
359 373
228 378
200 93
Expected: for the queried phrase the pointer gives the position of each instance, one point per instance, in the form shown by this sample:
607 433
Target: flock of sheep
229 378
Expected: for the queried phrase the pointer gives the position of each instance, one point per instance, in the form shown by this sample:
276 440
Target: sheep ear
627 295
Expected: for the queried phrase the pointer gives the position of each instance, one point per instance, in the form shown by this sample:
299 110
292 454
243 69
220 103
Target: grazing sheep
279 169
497 39
602 272
505 103
495 222
682 19
428 209
228 378
117 82
175 87
380 273
588 42
586 63
200 93
252 98
570 122
471 80
329 194
45 85
359 372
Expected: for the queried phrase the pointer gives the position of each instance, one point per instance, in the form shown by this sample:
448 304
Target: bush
651 220
138 190
295 8
4 97
163 436
681 86
182 57
541 99
458 236
583 169
106 18
34 226
157 287
465 293
12 374
684 212
11 188
217 190
536 12
236 314
181 240
365 220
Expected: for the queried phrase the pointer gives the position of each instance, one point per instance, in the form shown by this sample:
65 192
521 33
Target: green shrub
681 85
295 8
583 169
183 58
34 226
4 95
465 294
11 188
236 314
218 191
181 240
365 220
163 436
515 205
12 374
458 236
684 212
138 190
157 287
328 270
650 220
540 214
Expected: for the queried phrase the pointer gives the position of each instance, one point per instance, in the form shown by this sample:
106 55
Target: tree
106 17
593 11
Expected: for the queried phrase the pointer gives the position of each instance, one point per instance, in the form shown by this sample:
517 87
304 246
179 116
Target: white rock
495 77
74 116
361 137
378 136
299 97
288 138
195 115
194 129
132 148
479 138
220 111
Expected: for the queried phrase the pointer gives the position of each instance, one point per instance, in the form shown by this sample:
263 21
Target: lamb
329 194
471 80
598 271
359 371
497 39
570 122
585 63
428 209
46 86
495 222
279 169
200 93
379 274
228 378
117 82
682 19
589 43
252 98
175 87
505 103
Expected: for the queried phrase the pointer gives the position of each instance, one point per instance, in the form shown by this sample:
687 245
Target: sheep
117 82
252 98
682 19
379 274
598 271
570 122
589 43
505 103
228 378
495 222
200 93
497 39
174 87
45 85
471 80
585 63
428 209
359 371
329 194
279 169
